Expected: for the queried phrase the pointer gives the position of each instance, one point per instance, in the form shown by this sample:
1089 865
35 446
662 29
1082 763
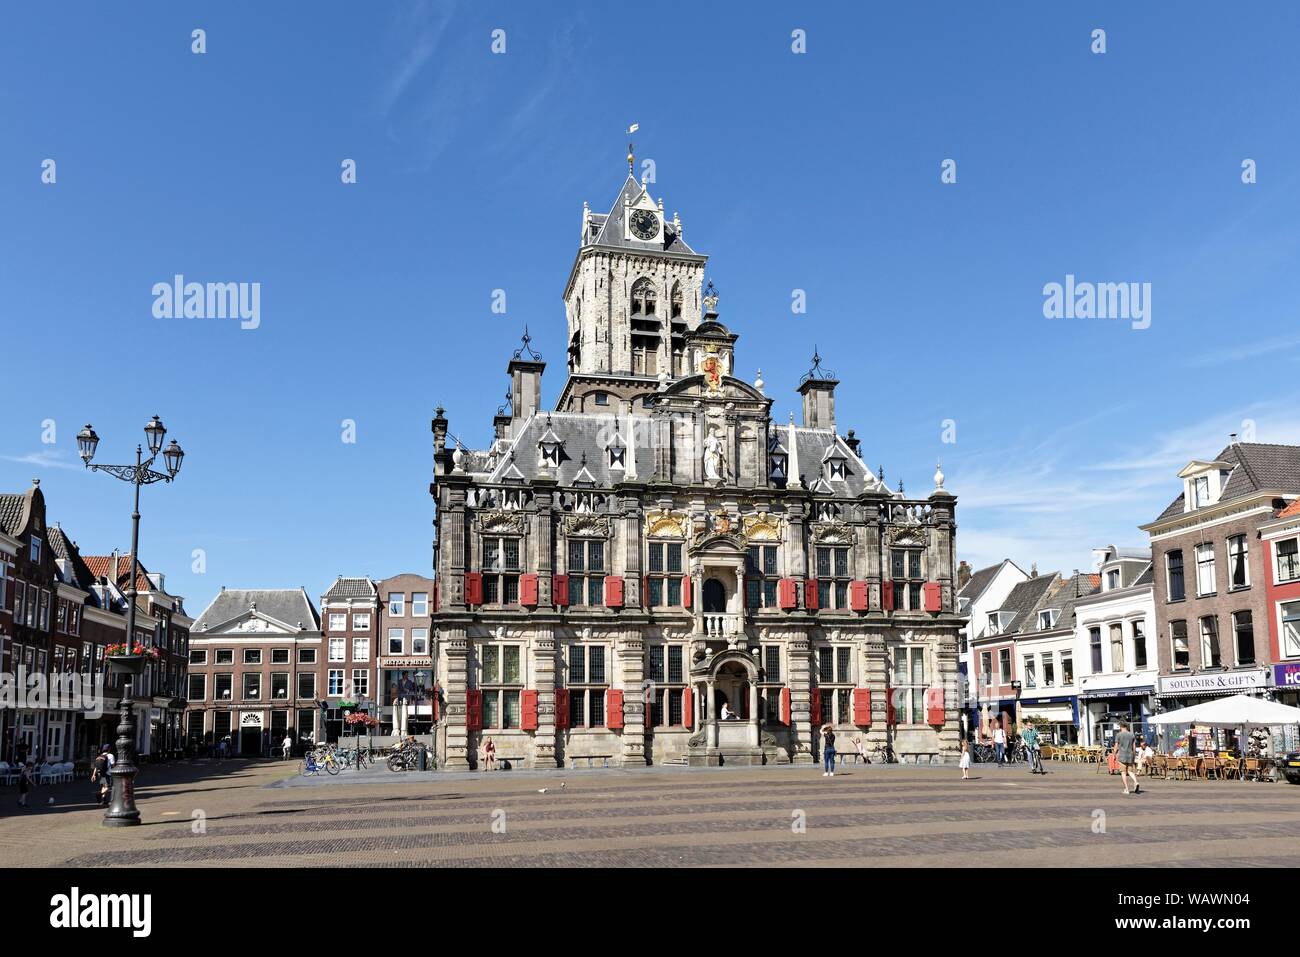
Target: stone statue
713 456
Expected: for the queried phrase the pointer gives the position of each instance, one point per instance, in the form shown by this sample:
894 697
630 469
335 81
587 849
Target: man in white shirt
1000 744
286 746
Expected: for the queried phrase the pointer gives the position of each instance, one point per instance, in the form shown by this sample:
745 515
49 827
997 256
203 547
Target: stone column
543 681
631 664
950 733
456 646
753 713
800 683
877 678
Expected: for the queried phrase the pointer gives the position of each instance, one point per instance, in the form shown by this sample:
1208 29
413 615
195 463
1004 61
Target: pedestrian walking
1000 744
965 760
99 769
1126 759
26 781
828 751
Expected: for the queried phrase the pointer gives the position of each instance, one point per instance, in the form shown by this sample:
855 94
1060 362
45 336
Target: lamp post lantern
122 811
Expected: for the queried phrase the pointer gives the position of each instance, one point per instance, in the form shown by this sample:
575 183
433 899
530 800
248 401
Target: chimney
818 390
854 443
525 369
963 574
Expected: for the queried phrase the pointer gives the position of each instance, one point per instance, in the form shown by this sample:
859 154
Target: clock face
644 224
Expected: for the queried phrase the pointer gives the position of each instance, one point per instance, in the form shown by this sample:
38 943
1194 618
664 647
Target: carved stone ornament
595 525
762 527
832 533
905 535
664 523
721 523
501 521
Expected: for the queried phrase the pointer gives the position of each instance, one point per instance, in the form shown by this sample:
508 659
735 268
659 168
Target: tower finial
631 157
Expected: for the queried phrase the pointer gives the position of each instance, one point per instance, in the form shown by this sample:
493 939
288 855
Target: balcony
721 624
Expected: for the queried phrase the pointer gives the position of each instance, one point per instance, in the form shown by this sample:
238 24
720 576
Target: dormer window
1047 619
995 623
1200 491
617 457
1112 579
551 454
835 469
36 550
778 473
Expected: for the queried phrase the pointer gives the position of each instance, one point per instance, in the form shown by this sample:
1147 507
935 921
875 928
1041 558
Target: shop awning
1238 709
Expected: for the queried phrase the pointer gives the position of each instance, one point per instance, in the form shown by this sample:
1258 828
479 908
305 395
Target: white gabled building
1115 653
985 591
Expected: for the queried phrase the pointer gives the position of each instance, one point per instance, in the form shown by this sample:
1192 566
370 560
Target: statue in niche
713 458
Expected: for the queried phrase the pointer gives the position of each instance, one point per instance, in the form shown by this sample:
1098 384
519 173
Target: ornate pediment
501 521
665 523
832 533
762 527
593 525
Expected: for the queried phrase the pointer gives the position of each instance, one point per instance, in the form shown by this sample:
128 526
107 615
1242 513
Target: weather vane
631 159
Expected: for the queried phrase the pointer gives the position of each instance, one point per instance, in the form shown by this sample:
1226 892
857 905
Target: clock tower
632 298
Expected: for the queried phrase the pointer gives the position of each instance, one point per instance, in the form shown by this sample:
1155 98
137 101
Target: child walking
26 780
965 760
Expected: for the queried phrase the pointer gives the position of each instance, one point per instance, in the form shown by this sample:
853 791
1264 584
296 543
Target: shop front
1101 710
406 704
1183 691
1056 718
1286 690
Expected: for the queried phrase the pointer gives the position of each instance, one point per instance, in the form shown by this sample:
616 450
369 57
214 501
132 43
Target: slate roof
612 232
979 581
289 605
1024 598
1064 594
66 550
1147 577
1257 467
345 588
11 512
589 435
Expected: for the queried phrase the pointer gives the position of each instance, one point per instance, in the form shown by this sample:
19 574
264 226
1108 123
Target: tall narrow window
1178 640
643 298
832 577
586 571
1140 643
907 576
500 571
1243 629
1205 569
1094 646
1291 629
1238 562
1210 654
760 576
1174 567
1116 647
1288 560
665 574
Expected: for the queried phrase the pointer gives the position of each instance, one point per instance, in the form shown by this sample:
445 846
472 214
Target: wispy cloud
1053 499
46 459
1250 350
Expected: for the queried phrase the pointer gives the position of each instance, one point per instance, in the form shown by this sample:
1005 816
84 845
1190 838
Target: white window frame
330 677
419 604
1227 550
341 644
361 621
1213 572
419 641
338 621
396 604
361 649
1292 565
1289 646
398 634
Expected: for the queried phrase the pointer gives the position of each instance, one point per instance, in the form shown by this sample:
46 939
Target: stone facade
615 574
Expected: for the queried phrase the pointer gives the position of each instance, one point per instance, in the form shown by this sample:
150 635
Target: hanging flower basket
124 659
365 720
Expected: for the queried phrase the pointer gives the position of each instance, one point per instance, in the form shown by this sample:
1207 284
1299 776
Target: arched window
675 301
644 298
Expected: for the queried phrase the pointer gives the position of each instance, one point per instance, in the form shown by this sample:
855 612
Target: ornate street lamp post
122 810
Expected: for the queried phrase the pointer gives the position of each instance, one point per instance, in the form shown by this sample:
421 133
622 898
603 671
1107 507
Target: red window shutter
810 594
862 706
858 595
645 591
887 596
614 709
815 706
785 597
473 588
934 706
785 705
528 710
686 594
528 590
890 716
613 591
560 590
688 702
933 592
473 710
561 708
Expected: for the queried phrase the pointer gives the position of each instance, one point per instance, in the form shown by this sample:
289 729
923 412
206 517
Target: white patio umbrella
1239 709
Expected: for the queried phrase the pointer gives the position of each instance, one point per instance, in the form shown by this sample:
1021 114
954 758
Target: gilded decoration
832 533
664 523
762 527
905 535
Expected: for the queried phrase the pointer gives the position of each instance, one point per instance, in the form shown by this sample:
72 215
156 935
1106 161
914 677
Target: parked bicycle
313 762
884 754
404 758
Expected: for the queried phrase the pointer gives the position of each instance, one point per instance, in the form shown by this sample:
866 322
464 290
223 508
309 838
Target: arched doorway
715 596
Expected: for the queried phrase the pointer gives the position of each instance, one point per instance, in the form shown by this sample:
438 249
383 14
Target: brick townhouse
350 622
1280 538
406 655
1211 573
255 665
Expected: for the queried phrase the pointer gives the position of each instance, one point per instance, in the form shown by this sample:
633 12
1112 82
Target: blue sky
818 171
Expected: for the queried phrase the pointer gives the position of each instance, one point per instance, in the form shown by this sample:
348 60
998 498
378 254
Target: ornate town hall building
656 571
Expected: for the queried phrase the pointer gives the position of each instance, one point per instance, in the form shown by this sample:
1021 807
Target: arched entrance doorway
727 677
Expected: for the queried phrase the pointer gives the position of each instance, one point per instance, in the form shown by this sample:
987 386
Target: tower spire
631 153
